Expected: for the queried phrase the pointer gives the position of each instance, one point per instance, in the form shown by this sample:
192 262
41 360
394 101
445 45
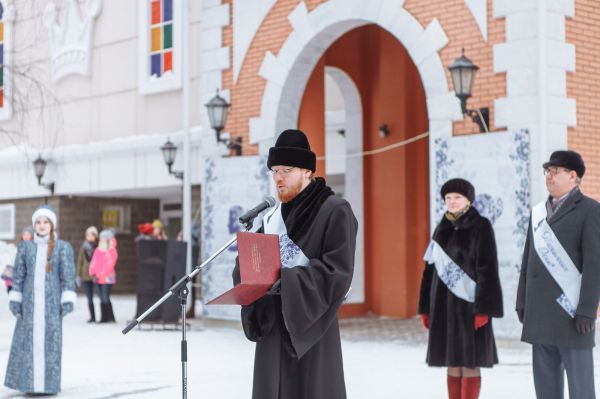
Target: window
160 46
6 18
161 38
7 222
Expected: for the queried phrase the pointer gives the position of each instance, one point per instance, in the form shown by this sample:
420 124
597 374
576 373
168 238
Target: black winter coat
453 341
576 224
298 347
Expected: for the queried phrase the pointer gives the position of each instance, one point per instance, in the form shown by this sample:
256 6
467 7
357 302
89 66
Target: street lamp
39 166
218 109
463 73
169 150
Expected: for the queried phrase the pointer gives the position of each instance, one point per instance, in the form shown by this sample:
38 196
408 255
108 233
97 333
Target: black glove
275 288
521 314
583 324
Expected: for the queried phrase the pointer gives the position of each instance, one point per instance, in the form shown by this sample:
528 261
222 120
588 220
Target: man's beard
290 193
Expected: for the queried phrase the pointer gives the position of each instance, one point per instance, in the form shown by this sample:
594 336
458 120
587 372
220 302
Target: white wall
88 111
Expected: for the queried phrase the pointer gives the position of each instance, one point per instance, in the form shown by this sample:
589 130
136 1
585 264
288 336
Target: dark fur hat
292 149
460 186
568 160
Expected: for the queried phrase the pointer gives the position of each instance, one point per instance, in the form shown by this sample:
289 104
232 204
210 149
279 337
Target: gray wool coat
576 224
22 361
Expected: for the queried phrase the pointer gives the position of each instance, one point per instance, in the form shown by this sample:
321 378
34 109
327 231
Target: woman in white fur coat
43 292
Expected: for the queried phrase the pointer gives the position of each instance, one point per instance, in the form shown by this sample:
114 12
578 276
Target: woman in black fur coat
460 292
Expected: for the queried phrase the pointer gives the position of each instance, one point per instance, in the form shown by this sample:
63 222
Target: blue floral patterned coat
34 363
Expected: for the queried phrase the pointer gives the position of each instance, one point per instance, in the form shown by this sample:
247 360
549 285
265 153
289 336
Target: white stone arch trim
247 19
287 73
478 9
536 59
353 126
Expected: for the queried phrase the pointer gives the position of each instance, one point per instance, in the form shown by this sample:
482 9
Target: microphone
252 213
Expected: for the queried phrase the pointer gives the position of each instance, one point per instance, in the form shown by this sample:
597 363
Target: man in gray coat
559 286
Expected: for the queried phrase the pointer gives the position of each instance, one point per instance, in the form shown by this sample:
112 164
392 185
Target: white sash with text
450 273
556 260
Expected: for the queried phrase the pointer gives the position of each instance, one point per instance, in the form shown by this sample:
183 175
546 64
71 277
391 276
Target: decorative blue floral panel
230 187
498 166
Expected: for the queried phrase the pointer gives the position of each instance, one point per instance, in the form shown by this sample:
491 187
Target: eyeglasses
553 170
283 171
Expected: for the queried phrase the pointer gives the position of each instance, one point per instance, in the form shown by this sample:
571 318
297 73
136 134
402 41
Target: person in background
461 292
43 293
7 277
102 269
27 233
145 231
86 251
158 232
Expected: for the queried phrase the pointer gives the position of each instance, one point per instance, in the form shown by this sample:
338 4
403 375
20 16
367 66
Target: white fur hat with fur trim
47 211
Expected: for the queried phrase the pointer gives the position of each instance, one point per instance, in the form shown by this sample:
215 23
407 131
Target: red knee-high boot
471 387
454 387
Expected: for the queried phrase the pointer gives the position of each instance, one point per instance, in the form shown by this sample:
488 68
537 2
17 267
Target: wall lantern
39 166
463 75
218 110
169 150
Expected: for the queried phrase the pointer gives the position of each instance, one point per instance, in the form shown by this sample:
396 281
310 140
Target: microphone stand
181 290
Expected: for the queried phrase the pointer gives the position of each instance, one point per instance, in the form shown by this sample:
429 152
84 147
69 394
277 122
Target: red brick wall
454 16
584 85
463 32
246 95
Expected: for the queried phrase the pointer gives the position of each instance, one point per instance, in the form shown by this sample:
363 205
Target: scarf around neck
453 217
88 249
299 213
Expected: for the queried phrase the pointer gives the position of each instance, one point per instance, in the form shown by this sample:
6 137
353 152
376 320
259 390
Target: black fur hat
292 149
568 160
460 186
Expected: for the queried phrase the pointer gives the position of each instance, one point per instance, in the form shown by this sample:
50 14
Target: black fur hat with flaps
292 149
567 159
460 186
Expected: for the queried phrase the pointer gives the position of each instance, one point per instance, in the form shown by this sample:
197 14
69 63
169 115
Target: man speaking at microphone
295 326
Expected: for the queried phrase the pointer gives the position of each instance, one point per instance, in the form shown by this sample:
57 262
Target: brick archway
313 32
288 72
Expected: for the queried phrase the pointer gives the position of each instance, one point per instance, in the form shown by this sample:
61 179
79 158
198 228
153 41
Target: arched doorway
294 71
394 184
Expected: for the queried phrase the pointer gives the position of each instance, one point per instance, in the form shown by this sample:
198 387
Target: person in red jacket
460 292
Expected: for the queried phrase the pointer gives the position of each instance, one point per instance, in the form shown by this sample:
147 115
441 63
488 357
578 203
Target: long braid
50 248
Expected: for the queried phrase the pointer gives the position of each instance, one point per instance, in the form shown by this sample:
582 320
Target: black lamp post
39 166
463 74
169 150
218 109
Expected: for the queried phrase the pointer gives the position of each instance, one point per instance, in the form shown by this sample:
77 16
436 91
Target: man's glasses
283 171
554 170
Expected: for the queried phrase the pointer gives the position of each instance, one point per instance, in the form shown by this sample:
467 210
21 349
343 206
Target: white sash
450 273
556 259
291 255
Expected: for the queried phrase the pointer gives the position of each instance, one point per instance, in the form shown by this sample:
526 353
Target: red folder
260 267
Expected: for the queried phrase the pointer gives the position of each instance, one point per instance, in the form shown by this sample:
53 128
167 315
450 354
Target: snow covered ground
101 363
